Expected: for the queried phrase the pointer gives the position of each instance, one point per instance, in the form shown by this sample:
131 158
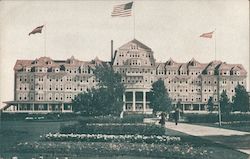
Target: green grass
14 132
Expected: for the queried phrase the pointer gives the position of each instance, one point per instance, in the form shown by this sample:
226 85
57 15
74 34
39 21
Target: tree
111 81
159 98
225 105
241 99
210 104
104 100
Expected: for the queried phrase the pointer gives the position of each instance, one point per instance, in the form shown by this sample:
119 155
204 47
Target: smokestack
112 56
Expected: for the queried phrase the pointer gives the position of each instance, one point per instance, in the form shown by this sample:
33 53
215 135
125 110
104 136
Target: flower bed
114 129
115 149
112 138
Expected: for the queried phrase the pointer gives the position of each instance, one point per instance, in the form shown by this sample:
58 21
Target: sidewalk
198 130
236 139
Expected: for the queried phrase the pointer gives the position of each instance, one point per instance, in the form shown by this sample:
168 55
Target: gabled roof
183 66
225 66
213 64
238 67
171 62
160 65
193 63
138 43
22 63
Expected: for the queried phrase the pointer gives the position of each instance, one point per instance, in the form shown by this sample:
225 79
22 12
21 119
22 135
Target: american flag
207 35
122 10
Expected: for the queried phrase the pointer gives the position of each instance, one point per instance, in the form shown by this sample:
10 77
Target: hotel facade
47 85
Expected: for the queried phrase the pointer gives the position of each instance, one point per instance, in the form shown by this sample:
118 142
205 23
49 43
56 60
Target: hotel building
47 85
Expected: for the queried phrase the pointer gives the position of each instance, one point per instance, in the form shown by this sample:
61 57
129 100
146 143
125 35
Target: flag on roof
122 10
37 30
207 35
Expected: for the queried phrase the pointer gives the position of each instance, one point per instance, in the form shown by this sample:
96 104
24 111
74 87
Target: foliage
114 129
112 119
210 104
93 102
104 100
159 98
213 118
201 118
225 105
241 99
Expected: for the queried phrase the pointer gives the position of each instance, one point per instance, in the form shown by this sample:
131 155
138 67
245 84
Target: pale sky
84 29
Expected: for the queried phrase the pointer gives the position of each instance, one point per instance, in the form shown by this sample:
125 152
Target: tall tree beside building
241 99
104 100
225 104
91 103
210 104
111 81
159 98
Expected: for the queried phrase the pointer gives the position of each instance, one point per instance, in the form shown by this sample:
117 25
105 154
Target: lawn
27 142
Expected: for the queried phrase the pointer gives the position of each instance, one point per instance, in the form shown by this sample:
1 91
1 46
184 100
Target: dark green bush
111 119
113 129
213 118
201 118
235 117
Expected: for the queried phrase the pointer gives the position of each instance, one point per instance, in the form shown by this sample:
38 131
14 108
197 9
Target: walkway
236 139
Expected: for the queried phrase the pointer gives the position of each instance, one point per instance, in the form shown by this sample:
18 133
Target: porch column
33 106
48 107
133 105
199 107
18 106
183 107
124 101
62 107
144 101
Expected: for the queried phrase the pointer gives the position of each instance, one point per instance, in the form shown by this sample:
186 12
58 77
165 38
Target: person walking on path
162 120
176 116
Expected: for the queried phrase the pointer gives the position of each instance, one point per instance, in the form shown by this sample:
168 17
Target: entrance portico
136 100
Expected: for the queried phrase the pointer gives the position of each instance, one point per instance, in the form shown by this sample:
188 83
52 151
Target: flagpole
215 44
45 39
134 17
218 83
249 51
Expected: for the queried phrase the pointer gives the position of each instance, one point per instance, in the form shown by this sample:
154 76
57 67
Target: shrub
113 129
112 119
213 118
201 118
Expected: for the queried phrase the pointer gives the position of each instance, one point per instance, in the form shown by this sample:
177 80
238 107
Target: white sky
84 29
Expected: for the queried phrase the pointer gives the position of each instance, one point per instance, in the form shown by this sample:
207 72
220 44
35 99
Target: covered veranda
37 106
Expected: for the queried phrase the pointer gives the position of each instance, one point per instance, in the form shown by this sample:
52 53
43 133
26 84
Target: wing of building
47 85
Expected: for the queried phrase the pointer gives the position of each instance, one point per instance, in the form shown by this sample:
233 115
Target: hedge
113 129
111 119
213 118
